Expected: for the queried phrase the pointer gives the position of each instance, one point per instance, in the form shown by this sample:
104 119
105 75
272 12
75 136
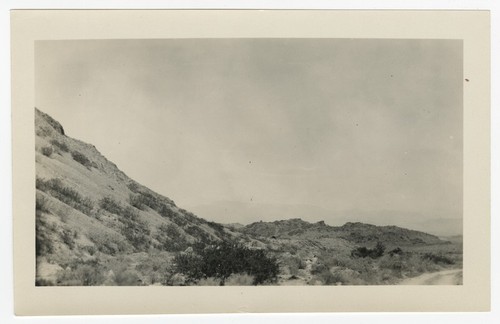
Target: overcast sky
341 125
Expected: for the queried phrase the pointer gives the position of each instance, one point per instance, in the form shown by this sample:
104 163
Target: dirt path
445 277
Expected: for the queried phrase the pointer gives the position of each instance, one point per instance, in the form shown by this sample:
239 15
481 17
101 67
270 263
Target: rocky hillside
96 226
87 206
355 233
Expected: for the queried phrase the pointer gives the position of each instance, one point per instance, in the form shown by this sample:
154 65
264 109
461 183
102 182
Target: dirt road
445 277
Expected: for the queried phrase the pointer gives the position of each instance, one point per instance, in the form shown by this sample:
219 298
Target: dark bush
363 252
438 258
68 238
44 233
82 273
198 233
137 233
136 201
81 158
170 238
47 151
218 227
60 145
110 205
223 259
396 251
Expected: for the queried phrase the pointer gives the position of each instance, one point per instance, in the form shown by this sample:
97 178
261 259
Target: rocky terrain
96 226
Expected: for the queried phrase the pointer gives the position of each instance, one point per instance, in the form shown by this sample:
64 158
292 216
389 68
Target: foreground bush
225 259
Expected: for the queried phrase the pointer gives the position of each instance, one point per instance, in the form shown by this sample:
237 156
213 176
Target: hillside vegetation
96 226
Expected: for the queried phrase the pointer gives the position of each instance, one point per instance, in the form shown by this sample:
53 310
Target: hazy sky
343 125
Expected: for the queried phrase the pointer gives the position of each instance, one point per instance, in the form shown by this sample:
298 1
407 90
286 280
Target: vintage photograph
249 161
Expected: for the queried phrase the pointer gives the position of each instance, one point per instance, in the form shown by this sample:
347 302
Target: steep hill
86 205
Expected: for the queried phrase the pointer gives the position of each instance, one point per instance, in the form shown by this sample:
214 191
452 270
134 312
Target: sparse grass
82 273
43 131
135 231
108 243
67 195
44 244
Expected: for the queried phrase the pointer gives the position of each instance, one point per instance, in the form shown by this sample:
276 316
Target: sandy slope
445 277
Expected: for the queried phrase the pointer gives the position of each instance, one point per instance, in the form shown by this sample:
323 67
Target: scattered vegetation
82 273
107 243
67 195
170 238
44 231
135 230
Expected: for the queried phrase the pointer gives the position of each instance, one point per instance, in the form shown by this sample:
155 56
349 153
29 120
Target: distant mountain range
247 212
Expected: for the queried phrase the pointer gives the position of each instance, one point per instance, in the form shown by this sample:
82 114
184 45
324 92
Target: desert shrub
132 186
156 268
396 251
47 151
110 205
198 233
127 278
68 238
60 145
137 234
437 258
140 200
81 158
82 273
190 264
43 131
135 201
224 259
43 237
90 249
67 195
108 243
217 227
166 211
364 252
42 203
326 277
170 238
319 267
239 279
190 216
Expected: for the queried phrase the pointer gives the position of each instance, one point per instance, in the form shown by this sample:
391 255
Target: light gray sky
342 125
